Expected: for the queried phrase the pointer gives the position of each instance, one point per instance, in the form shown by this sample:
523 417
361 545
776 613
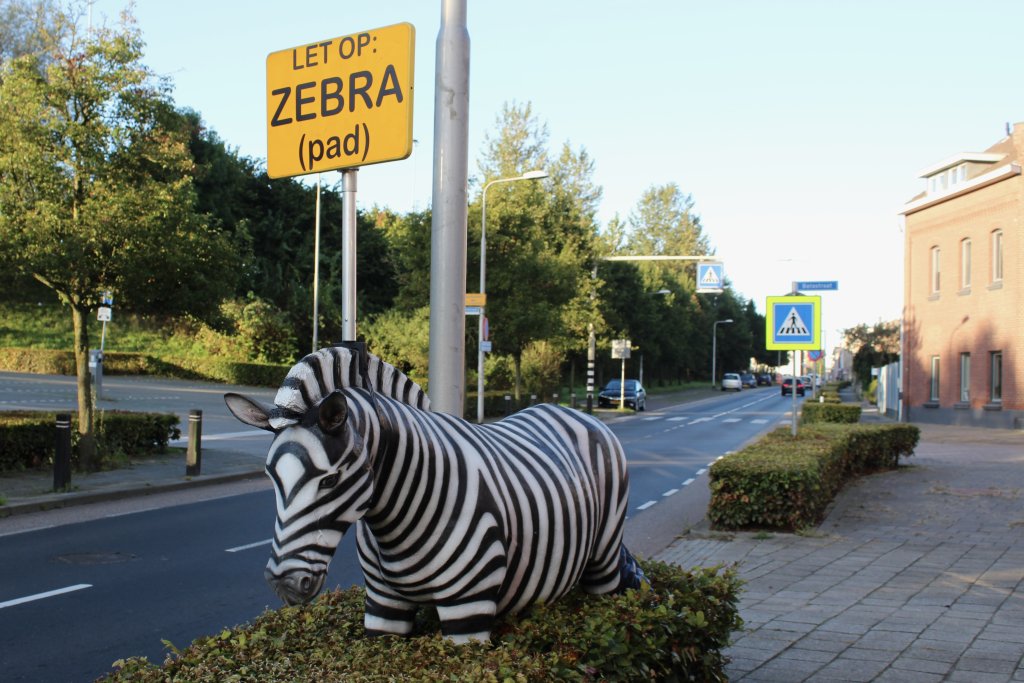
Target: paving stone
978 663
844 669
914 663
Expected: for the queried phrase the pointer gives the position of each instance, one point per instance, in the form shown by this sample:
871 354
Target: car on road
635 395
787 386
732 380
765 379
748 379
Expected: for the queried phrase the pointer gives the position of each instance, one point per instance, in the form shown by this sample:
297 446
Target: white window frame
997 255
933 382
965 377
936 259
965 263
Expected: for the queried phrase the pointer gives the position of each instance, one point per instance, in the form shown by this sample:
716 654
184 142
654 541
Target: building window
996 363
965 377
935 270
997 256
933 390
965 264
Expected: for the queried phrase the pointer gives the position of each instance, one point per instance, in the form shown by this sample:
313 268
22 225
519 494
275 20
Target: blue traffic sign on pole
793 323
710 278
818 285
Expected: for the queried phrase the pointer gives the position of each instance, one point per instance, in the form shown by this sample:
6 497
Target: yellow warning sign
341 102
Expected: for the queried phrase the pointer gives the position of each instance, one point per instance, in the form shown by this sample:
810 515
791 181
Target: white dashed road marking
647 505
47 594
249 546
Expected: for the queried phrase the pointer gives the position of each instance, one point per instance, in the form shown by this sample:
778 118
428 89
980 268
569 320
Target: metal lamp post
714 346
529 175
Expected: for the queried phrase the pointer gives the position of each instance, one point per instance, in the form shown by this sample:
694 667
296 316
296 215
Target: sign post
338 104
621 349
793 323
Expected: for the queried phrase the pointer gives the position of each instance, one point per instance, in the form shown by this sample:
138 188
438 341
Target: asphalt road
107 581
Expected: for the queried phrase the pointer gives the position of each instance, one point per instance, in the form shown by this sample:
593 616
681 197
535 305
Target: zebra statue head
317 445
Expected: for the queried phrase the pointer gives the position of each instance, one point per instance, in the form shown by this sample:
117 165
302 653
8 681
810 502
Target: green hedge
28 438
50 362
673 632
840 413
782 482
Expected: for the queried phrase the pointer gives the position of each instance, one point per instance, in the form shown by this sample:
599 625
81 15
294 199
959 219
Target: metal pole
714 352
348 255
316 269
622 386
62 455
194 455
483 308
449 205
792 390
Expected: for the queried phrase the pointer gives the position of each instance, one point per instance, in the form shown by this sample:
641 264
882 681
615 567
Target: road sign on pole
340 103
817 286
710 278
793 323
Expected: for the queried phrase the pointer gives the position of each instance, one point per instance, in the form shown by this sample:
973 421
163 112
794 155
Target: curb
72 499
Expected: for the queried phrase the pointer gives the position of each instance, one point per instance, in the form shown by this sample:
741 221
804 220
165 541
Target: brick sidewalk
915 574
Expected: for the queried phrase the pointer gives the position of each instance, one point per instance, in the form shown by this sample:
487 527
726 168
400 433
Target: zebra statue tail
630 573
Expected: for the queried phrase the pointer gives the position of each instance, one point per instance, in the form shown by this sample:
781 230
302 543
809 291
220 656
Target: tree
873 346
533 251
95 187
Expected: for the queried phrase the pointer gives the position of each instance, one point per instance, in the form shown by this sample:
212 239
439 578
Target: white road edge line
669 493
701 471
647 505
688 482
47 594
249 546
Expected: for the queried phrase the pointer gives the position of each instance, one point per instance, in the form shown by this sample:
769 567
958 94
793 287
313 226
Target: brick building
963 321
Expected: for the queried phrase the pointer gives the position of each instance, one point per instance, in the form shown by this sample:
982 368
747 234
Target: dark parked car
787 386
765 379
747 379
635 395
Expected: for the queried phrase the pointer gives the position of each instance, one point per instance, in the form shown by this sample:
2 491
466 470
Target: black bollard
62 456
533 399
194 458
572 400
508 405
554 399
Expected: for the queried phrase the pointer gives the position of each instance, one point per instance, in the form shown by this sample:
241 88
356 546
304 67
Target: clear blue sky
799 127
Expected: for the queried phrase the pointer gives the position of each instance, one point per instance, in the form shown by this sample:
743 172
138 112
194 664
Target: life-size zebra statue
477 520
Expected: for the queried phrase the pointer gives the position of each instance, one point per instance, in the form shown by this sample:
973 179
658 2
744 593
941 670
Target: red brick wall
982 319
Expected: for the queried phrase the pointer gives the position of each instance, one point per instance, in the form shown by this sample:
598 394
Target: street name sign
620 348
817 286
710 278
793 323
341 102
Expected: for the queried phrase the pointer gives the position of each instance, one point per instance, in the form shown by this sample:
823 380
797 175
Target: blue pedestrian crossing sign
710 278
793 323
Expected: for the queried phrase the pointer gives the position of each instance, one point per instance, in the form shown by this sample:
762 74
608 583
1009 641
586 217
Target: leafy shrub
830 412
28 438
675 631
264 332
782 482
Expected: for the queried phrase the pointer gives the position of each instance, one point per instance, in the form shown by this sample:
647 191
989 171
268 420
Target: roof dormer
948 174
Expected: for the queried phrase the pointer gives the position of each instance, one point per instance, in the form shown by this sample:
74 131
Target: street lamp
529 175
714 346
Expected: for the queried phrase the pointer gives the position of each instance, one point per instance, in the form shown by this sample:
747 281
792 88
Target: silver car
731 380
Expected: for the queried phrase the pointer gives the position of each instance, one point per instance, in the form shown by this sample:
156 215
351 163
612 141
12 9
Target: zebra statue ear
333 413
249 411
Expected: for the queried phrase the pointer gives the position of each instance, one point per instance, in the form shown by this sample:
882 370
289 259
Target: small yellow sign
341 103
476 299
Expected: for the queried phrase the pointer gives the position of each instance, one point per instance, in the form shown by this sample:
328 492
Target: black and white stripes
478 520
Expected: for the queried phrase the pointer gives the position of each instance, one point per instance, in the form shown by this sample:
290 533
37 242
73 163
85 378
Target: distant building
963 315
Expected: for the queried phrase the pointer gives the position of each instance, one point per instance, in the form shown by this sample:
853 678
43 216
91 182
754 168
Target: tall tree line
220 229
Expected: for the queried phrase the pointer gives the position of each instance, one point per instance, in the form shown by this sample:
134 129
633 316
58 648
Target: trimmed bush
28 438
838 413
674 631
50 362
785 483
